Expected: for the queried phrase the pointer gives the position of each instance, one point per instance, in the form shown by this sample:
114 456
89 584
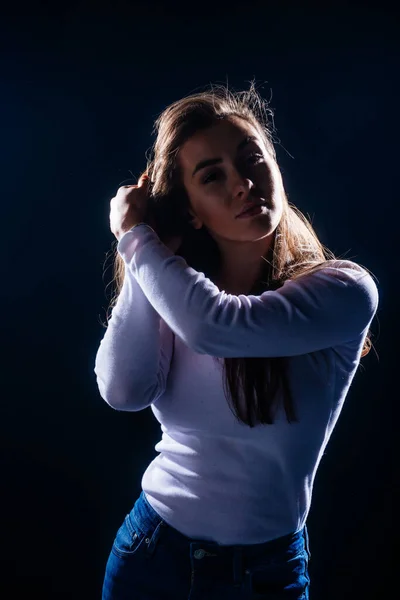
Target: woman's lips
257 209
250 206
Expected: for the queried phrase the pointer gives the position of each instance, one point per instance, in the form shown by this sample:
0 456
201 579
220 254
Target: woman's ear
195 222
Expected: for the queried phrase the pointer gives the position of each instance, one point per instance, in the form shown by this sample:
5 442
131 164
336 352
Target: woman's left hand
128 207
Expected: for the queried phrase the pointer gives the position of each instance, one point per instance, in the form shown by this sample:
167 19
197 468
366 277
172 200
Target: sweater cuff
125 247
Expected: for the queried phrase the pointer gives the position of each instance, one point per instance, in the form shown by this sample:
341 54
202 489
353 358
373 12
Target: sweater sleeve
133 360
326 308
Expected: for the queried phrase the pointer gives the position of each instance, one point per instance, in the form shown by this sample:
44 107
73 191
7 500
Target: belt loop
152 539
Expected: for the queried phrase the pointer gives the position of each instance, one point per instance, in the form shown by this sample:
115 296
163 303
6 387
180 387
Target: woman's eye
255 158
212 176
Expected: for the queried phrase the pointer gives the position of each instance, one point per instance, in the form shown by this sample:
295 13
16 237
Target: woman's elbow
121 400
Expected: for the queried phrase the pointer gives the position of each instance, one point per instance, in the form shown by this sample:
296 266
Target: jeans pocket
280 579
127 540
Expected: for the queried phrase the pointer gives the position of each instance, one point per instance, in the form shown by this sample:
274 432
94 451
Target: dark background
80 87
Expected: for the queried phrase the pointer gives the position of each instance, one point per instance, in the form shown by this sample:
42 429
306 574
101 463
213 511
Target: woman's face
225 167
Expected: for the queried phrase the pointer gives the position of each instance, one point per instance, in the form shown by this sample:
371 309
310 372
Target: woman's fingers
144 179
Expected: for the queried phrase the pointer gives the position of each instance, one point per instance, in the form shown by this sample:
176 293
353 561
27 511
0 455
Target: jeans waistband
145 516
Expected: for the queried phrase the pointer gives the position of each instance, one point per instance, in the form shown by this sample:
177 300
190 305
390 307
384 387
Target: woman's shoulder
336 267
347 270
346 274
338 263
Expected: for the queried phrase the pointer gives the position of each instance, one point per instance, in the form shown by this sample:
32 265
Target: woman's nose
242 186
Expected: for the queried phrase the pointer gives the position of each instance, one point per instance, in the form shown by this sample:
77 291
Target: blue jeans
150 560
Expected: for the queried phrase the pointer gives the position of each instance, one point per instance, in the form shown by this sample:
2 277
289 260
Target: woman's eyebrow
213 161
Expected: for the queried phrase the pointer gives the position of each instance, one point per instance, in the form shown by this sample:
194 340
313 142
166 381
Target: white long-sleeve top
214 477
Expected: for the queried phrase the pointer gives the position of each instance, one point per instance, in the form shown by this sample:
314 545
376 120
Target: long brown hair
296 249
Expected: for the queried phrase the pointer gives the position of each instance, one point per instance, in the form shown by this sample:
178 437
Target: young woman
243 333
